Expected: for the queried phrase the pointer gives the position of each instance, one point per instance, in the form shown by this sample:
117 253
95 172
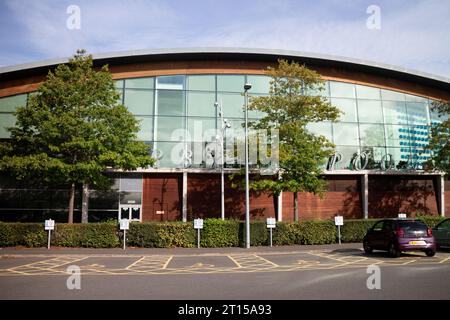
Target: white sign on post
50 224
124 224
402 215
339 221
271 223
198 223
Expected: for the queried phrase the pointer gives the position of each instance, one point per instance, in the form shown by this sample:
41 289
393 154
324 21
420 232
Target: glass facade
176 110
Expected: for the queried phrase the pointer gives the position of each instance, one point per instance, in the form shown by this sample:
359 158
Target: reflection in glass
201 104
146 128
321 128
342 90
9 104
345 134
230 83
167 125
348 107
139 102
395 112
170 102
372 134
365 92
140 83
370 111
201 82
232 104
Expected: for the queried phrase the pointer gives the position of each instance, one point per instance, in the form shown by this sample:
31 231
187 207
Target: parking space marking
446 259
134 263
211 263
234 260
149 263
167 262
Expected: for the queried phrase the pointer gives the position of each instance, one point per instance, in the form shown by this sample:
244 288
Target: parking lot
233 262
297 272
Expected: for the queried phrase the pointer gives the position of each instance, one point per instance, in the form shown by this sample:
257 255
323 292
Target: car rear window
412 224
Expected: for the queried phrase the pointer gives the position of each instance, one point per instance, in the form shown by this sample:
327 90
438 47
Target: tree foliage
293 102
73 129
439 142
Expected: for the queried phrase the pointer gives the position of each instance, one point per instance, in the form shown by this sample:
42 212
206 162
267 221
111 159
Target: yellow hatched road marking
134 263
167 262
234 260
268 261
442 261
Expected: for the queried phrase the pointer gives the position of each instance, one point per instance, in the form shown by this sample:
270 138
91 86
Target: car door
386 234
374 235
442 233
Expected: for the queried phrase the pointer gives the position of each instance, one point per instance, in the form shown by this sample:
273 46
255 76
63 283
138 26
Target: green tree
439 139
293 102
73 130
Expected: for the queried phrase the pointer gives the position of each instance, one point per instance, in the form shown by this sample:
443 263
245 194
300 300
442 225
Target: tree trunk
295 206
85 203
71 202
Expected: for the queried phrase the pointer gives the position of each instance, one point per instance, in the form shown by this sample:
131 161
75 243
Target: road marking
442 261
268 261
234 260
134 263
167 262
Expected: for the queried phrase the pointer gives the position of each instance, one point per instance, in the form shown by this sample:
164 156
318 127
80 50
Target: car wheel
367 248
430 253
393 250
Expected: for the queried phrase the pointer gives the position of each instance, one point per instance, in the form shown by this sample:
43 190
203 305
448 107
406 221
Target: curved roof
148 55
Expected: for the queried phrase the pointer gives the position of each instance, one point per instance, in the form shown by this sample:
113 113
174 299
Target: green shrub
142 235
317 232
161 235
305 232
92 235
354 230
219 233
430 221
22 234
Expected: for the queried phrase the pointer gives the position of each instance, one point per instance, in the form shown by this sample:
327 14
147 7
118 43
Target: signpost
49 225
339 221
198 224
402 215
124 225
271 223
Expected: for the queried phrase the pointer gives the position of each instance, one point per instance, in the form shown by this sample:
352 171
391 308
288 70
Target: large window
373 119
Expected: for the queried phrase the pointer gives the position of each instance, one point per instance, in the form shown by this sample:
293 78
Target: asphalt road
325 273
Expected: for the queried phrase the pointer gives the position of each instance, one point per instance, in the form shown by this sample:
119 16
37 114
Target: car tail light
400 233
429 232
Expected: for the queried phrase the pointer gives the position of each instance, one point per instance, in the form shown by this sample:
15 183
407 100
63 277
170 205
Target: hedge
215 233
161 235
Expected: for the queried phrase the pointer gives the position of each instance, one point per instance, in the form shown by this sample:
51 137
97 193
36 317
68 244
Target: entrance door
131 212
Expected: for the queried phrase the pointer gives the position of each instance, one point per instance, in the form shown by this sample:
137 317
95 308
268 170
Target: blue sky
413 34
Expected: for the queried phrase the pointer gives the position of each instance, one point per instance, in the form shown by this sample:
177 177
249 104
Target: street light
224 124
247 87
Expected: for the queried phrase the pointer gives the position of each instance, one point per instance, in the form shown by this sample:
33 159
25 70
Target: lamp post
224 124
247 87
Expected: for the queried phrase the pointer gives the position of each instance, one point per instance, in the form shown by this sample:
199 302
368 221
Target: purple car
397 235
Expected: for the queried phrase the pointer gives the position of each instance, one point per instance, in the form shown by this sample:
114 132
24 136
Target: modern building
380 138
